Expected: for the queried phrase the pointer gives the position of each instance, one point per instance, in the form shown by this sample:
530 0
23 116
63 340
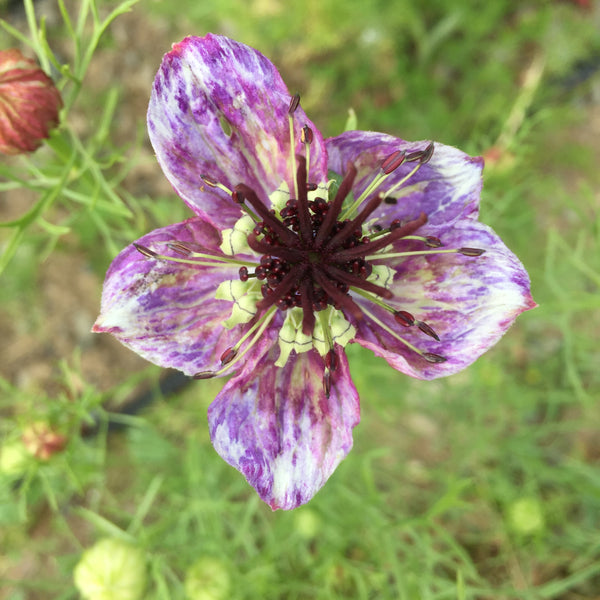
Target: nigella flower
298 247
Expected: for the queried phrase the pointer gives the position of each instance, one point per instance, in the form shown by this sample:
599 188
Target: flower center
310 256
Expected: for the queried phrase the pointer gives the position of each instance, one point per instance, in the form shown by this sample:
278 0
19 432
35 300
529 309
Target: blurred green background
485 485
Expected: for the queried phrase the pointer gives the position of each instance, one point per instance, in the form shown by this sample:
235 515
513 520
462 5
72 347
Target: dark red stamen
404 318
248 194
385 240
263 247
327 383
306 233
281 289
339 297
307 135
336 206
393 161
356 281
353 225
433 242
228 355
331 360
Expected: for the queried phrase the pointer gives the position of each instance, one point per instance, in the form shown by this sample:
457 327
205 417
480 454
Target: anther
228 355
433 242
426 329
210 181
393 161
145 251
390 200
421 156
179 248
470 251
327 382
204 375
404 318
238 197
427 154
331 360
294 103
433 358
243 273
307 134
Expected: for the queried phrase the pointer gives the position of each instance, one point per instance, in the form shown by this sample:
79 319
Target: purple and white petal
220 108
469 302
166 311
278 428
446 188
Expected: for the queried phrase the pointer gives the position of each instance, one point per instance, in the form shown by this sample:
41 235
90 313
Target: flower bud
29 103
111 570
13 459
42 441
207 579
525 516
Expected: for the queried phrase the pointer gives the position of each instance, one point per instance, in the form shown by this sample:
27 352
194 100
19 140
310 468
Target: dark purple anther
470 251
145 251
294 103
433 358
427 330
204 375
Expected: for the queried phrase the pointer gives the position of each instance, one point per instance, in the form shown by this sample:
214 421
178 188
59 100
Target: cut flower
284 264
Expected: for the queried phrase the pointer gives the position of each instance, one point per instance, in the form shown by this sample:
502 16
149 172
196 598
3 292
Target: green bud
111 570
13 459
307 522
207 579
525 516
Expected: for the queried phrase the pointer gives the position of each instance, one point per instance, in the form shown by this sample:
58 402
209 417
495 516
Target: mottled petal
278 428
446 188
470 302
220 108
166 311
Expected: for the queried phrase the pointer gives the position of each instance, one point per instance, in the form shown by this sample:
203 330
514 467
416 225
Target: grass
481 486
